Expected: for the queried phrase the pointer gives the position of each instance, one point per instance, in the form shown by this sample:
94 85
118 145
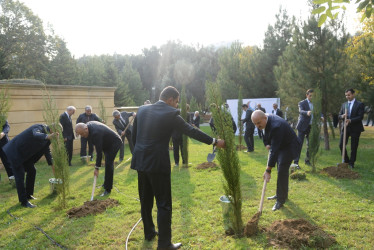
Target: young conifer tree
102 111
184 114
228 157
59 155
315 132
4 106
240 112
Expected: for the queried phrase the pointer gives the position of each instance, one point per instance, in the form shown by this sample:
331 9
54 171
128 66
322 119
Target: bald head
259 119
81 129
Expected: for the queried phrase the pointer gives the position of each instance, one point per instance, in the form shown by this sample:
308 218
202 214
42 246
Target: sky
92 27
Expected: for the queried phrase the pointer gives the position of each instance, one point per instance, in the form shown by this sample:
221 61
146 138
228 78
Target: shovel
343 164
252 226
93 188
211 156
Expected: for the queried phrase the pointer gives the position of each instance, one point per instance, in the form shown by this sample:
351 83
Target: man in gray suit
123 127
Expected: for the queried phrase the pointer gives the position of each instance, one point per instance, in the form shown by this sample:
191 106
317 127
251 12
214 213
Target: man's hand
96 172
65 139
220 143
267 147
2 134
123 133
52 135
309 113
267 176
348 121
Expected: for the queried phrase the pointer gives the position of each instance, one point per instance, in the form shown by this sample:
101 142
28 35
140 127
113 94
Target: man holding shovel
123 126
283 146
105 141
153 126
355 114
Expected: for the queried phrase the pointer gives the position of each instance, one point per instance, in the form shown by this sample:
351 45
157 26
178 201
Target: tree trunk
326 133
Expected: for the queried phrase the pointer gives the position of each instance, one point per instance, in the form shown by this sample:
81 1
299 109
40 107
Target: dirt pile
340 172
252 225
206 165
91 207
298 233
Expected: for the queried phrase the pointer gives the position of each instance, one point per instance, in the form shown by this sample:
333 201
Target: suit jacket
87 118
278 113
31 144
104 139
119 126
304 119
196 122
151 134
5 139
247 120
283 140
357 114
67 127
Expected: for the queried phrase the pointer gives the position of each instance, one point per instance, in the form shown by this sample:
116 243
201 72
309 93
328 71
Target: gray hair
71 108
88 107
116 112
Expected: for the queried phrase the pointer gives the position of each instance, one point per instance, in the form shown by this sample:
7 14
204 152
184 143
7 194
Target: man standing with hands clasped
153 126
283 146
355 114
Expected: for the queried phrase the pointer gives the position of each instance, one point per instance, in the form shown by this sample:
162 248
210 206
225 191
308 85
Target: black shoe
298 167
351 166
91 159
105 193
28 204
171 246
155 233
277 206
248 151
70 164
272 197
308 163
30 197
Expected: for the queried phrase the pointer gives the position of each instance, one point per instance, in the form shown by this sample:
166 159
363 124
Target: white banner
266 103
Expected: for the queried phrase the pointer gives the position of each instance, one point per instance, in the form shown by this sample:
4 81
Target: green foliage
227 157
59 155
314 136
184 113
240 113
194 106
4 105
102 110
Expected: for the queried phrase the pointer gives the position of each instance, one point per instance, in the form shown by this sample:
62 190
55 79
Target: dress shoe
351 166
105 193
30 197
28 204
171 246
277 206
248 151
308 163
298 167
272 197
155 233
177 164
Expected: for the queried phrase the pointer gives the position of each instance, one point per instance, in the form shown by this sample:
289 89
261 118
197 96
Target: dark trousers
260 133
178 144
19 175
69 149
109 166
6 164
370 118
122 148
355 137
150 186
283 163
302 135
248 138
84 142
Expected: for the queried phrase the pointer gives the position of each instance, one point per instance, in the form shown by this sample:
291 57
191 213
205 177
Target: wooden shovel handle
93 188
345 133
262 197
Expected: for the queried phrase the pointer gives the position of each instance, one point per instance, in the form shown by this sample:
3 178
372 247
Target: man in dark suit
85 117
260 133
277 111
283 147
23 151
3 141
355 110
105 141
152 130
304 125
122 124
67 131
249 128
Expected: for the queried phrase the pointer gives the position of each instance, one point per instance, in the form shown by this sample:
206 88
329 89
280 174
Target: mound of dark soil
252 225
207 165
91 207
298 233
340 172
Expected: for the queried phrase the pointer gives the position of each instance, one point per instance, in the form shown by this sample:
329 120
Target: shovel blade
211 157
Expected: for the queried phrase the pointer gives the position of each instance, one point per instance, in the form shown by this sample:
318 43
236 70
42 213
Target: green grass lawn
343 208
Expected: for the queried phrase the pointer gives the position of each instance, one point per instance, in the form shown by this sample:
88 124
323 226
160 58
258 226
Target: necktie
349 110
